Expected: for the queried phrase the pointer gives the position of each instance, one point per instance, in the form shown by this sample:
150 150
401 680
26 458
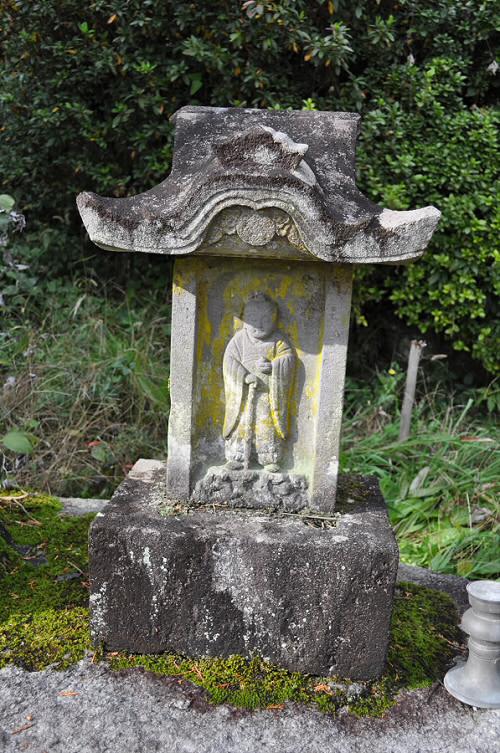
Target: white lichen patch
146 561
98 609
333 467
233 574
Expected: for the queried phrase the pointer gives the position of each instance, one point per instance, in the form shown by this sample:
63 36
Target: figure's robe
240 359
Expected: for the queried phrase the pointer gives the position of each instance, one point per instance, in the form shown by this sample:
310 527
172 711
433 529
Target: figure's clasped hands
264 365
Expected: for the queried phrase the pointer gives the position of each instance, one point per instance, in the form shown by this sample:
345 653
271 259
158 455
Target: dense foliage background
88 88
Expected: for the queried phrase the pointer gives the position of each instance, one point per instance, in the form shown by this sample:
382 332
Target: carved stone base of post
311 594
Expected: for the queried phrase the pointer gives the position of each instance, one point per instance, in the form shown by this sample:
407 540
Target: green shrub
446 158
88 88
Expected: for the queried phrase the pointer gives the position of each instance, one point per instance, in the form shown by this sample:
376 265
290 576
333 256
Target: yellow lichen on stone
222 290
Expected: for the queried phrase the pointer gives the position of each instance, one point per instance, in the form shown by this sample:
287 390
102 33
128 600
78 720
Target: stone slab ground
90 709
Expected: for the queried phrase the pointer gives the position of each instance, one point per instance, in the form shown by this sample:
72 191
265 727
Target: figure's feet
234 465
272 468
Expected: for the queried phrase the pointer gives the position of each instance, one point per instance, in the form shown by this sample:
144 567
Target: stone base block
209 582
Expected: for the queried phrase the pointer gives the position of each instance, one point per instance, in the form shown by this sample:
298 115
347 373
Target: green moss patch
425 637
44 621
44 591
49 637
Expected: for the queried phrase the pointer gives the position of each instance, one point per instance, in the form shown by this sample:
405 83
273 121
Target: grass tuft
441 485
88 385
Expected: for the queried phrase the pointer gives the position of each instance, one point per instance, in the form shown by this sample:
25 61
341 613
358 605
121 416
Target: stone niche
236 545
218 420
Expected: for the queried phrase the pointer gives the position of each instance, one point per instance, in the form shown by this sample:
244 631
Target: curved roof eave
228 157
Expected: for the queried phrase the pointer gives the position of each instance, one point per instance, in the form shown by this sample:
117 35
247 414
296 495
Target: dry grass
90 391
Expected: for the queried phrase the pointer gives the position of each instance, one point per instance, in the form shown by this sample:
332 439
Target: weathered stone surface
302 163
215 582
75 506
252 489
211 401
275 191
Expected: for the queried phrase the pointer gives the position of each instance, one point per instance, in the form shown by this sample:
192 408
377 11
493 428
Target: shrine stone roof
300 163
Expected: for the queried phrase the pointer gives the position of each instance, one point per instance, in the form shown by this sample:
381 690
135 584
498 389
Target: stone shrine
237 545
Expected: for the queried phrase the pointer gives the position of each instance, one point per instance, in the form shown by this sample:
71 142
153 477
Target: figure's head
260 316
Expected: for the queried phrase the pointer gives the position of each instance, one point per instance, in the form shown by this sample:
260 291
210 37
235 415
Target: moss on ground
44 591
44 621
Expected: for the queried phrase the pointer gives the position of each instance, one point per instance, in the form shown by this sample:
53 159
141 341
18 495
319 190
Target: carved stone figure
258 374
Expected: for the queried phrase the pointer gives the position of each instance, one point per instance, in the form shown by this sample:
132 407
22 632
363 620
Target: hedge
88 89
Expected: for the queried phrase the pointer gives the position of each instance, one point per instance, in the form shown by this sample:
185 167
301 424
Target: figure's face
260 321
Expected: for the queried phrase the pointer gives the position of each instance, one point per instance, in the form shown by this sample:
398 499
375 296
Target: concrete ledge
74 506
453 585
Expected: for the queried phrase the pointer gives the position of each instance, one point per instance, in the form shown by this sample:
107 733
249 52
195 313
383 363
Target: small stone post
477 682
416 349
